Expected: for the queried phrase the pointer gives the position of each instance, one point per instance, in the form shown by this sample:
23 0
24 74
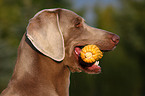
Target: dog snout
115 38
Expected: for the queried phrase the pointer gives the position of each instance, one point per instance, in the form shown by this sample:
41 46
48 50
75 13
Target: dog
49 51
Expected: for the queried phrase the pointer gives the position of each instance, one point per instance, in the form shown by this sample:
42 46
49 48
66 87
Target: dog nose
115 38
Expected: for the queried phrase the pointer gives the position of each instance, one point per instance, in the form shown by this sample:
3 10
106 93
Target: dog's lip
88 68
107 50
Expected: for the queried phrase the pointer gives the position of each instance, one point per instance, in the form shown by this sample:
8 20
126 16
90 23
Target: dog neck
38 75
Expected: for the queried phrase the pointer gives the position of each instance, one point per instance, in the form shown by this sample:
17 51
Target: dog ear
44 33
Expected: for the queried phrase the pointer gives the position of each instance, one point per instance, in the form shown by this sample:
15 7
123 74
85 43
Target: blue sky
89 7
80 3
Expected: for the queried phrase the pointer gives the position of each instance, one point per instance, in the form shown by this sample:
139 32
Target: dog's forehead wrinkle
70 12
69 15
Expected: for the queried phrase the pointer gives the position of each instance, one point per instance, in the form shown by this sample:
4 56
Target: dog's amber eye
79 24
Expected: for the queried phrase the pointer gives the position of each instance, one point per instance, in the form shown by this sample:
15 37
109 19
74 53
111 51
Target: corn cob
91 53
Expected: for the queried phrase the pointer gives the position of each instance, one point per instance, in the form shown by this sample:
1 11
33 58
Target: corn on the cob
91 53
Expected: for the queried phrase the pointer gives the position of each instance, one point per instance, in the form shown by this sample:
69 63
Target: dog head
61 34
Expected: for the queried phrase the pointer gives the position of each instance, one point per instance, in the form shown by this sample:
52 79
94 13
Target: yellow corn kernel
91 53
88 54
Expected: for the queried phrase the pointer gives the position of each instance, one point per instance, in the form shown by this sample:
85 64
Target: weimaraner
49 51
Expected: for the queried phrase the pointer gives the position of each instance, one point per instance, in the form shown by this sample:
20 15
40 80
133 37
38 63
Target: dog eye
78 24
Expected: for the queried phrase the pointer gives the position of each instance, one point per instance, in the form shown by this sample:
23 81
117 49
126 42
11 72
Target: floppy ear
44 33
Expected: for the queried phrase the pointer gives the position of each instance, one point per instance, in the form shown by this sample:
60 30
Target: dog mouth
91 68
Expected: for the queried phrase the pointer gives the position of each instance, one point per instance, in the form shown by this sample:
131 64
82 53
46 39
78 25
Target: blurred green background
123 70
